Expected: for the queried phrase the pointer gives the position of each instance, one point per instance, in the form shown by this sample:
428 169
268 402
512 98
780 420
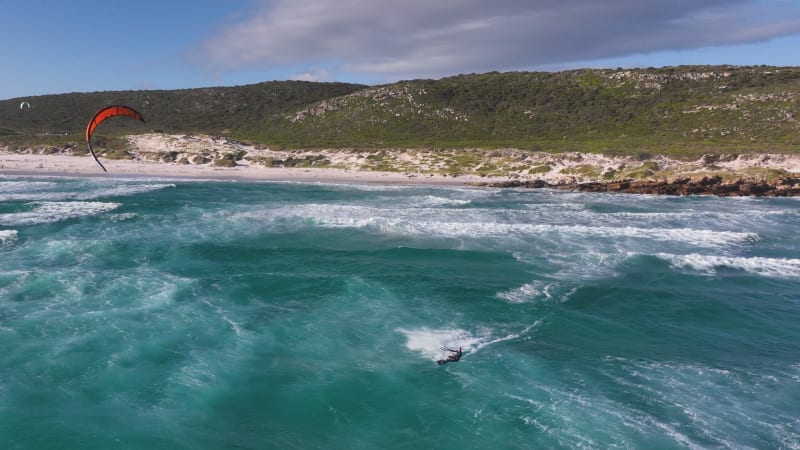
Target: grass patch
118 154
646 170
542 168
224 161
584 170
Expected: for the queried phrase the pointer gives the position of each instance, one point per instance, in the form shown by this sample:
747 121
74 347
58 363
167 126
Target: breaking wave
711 264
47 212
7 236
441 222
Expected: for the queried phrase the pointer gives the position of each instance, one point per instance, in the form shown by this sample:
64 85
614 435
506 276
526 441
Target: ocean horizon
162 313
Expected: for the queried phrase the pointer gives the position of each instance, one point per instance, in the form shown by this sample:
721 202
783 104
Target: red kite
103 114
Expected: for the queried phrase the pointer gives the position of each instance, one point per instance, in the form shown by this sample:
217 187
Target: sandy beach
199 157
55 165
197 154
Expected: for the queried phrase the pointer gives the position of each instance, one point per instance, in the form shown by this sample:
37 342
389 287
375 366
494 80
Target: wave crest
710 264
48 212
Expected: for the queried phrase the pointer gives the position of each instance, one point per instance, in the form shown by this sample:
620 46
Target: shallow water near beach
189 314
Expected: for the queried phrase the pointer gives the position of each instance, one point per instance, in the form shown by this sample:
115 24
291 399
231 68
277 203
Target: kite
24 105
103 114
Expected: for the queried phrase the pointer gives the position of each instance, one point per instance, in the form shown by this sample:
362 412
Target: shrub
543 168
118 155
226 160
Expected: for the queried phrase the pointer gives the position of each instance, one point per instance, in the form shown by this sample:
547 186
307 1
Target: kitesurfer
454 357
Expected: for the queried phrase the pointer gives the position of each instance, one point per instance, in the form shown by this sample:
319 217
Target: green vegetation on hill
217 111
686 110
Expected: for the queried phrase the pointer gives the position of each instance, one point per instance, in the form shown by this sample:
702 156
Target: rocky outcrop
784 187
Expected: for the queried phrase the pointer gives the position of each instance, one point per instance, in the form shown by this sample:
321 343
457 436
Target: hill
685 110
217 111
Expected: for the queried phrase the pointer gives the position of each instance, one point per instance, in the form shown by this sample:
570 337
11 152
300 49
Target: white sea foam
710 264
7 236
34 191
30 191
24 186
698 237
46 212
701 391
555 206
697 392
569 263
482 223
122 217
487 342
528 292
196 374
366 187
432 200
35 196
431 342
523 294
122 190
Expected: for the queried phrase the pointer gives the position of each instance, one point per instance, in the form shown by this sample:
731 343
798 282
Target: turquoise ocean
170 314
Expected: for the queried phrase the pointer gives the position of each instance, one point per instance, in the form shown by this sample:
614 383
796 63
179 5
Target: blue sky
59 46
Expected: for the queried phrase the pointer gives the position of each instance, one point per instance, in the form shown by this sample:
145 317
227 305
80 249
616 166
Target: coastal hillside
231 111
679 111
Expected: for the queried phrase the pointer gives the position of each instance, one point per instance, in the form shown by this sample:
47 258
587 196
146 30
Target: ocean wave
433 200
710 264
698 237
122 217
37 191
554 206
7 236
700 391
693 395
528 292
123 190
377 187
483 223
47 212
24 186
366 187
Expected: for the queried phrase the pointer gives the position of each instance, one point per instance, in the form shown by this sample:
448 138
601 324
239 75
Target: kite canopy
24 105
103 114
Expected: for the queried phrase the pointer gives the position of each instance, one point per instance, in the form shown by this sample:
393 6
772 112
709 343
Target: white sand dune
187 156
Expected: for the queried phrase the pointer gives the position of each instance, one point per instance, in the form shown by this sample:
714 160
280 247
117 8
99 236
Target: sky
55 46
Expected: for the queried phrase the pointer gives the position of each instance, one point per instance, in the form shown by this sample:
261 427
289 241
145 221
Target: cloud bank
423 38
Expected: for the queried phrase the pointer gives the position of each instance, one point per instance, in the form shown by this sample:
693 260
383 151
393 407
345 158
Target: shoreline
79 166
192 157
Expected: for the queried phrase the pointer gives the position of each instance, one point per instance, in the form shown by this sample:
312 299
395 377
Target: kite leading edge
103 114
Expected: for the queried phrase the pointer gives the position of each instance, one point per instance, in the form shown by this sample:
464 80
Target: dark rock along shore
784 187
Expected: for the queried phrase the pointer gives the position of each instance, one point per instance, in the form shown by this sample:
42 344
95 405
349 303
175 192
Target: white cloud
312 75
421 38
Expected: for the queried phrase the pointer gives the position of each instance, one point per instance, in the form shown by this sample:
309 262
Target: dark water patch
656 313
